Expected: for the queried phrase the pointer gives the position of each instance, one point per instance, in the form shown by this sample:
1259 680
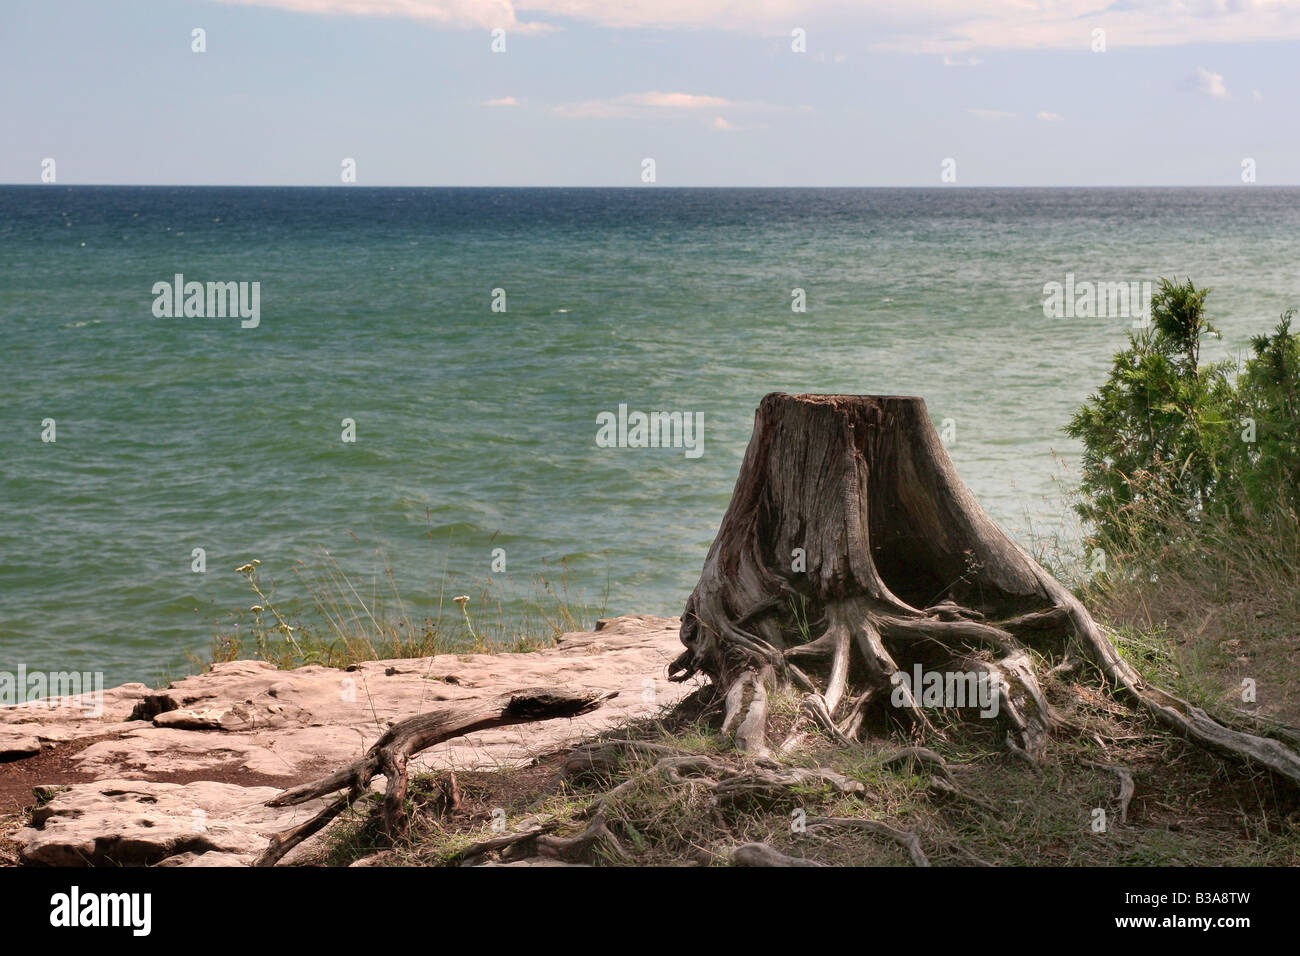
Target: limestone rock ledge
180 777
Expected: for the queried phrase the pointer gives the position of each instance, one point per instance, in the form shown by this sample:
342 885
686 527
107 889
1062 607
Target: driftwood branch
389 755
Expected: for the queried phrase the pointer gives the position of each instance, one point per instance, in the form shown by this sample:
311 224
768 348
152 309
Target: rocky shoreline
180 776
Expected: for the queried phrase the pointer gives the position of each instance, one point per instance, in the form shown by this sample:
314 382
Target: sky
715 92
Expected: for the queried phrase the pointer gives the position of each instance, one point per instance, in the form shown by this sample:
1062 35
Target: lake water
476 429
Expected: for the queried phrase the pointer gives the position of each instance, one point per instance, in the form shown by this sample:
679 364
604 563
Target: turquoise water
476 429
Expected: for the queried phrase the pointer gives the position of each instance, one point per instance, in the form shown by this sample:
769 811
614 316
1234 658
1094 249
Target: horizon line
642 187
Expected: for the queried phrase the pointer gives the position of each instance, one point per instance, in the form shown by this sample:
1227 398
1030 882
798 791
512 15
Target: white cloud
962 61
1257 96
1050 117
991 114
1211 84
722 125
947 27
503 101
487 14
653 103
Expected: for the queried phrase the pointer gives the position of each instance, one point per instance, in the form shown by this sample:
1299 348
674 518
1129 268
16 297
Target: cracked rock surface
180 776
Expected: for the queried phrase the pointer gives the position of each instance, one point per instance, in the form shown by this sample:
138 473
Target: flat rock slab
15 744
214 747
134 823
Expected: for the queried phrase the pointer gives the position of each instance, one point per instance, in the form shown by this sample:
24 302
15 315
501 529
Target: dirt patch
55 765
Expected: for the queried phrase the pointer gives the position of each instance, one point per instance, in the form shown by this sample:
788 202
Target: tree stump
852 552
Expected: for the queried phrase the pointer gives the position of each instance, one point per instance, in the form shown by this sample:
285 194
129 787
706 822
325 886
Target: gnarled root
389 756
766 785
904 838
760 854
581 847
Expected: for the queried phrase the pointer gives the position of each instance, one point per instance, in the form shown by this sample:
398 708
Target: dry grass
1212 606
335 619
1189 809
1201 611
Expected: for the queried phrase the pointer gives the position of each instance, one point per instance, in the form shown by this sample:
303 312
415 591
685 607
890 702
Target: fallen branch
389 755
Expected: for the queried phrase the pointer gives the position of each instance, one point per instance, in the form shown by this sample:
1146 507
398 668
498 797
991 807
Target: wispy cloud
991 114
962 61
948 27
503 101
1211 84
1050 117
487 14
655 103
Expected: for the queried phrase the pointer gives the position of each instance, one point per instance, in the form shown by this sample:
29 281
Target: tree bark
852 552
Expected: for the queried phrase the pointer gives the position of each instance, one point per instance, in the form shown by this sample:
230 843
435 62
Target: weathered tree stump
852 552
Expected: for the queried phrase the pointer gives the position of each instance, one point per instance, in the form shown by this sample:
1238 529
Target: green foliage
1270 395
1166 438
1150 432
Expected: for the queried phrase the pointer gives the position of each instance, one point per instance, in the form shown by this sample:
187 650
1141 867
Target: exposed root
918 755
978 861
673 767
762 784
1174 712
851 725
602 758
1016 750
582 847
760 854
819 711
746 711
951 611
467 856
766 785
1067 667
839 676
1020 701
949 632
904 838
1126 786
942 782
794 740
1049 622
945 788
